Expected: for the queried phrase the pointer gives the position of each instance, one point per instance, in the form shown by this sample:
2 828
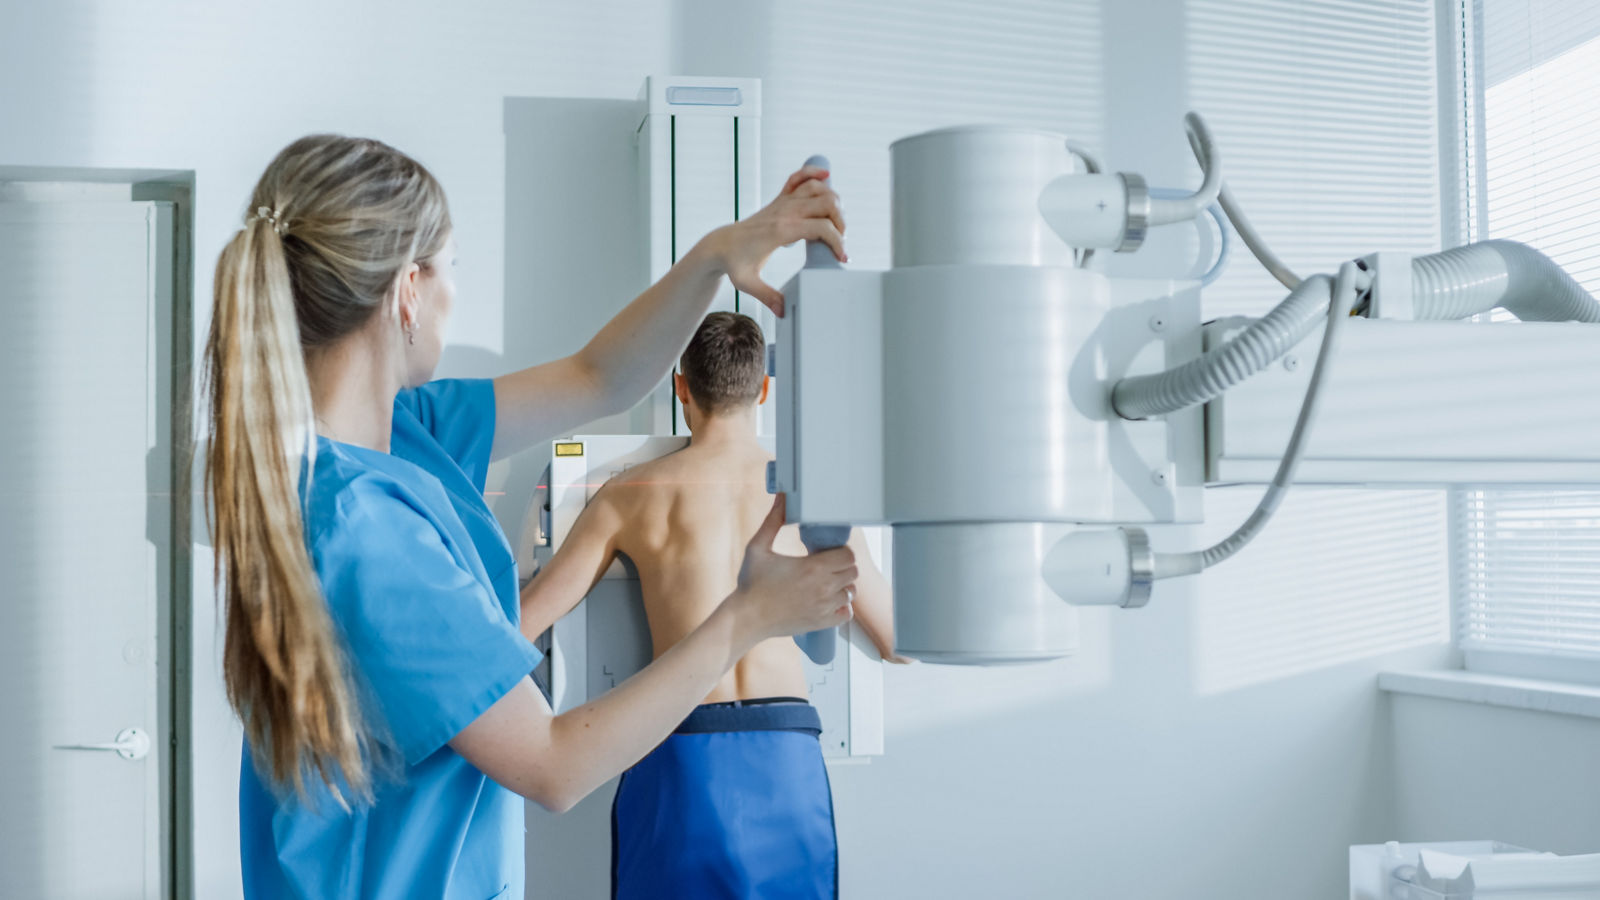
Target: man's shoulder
681 467
652 475
690 470
635 489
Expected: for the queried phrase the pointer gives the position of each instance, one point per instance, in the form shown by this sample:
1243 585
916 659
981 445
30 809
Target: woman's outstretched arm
557 760
636 349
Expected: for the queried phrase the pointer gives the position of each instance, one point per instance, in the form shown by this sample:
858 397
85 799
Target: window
1528 565
1325 113
1528 562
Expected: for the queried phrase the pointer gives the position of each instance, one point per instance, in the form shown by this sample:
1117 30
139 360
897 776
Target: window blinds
1542 129
1327 114
1528 562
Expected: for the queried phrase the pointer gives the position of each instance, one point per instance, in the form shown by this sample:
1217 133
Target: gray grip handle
820 645
818 254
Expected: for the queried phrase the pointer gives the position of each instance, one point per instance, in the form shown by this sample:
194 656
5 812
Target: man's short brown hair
725 363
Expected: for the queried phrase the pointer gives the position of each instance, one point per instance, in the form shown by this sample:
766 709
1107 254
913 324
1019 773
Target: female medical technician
372 649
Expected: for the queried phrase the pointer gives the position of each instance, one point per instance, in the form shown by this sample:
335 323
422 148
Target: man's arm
582 558
874 606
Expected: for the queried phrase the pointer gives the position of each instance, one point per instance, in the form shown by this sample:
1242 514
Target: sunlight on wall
1339 575
933 698
847 79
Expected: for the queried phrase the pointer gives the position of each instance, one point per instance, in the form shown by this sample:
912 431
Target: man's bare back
685 521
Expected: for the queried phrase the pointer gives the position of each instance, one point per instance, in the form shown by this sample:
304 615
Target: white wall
1465 771
1181 754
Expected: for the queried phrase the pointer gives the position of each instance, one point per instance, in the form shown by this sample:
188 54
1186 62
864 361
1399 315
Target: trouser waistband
763 714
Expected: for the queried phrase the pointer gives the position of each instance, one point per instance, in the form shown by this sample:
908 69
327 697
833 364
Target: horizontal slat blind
1541 128
1339 575
1528 562
1529 571
1519 35
1327 116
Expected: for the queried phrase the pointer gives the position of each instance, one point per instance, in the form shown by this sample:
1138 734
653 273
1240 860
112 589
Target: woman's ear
408 303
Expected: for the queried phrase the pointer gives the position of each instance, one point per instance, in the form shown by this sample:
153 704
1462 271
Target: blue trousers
734 804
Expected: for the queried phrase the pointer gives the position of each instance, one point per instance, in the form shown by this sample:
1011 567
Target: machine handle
821 645
131 743
818 254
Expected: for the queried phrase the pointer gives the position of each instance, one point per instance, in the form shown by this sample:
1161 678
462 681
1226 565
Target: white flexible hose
1241 223
1258 247
1164 211
1224 241
1205 377
1091 163
1466 281
1452 284
1170 565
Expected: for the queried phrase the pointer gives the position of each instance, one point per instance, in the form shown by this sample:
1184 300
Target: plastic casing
962 396
970 195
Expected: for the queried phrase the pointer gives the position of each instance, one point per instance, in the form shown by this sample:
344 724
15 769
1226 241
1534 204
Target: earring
411 335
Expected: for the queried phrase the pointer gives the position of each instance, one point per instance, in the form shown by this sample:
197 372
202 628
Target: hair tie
271 215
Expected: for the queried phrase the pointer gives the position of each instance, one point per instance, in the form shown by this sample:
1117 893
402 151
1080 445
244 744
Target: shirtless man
736 802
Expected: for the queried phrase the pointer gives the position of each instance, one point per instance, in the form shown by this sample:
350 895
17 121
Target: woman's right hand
784 595
806 208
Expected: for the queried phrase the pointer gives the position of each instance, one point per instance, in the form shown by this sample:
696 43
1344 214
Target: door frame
171 464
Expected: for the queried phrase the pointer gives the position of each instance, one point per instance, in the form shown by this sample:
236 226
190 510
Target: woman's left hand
806 209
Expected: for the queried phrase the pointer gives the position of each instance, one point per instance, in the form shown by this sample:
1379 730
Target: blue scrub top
422 587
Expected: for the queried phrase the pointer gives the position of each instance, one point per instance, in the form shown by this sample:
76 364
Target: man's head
724 369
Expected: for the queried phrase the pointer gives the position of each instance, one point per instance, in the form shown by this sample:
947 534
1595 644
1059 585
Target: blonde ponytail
345 217
284 670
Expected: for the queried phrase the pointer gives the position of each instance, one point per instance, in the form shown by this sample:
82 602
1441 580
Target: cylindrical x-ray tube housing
974 594
970 196
995 404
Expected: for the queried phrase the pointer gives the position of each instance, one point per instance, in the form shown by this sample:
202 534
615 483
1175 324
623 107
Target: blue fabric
735 804
408 556
447 428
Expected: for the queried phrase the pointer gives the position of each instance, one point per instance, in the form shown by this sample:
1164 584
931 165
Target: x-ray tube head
971 594
1102 567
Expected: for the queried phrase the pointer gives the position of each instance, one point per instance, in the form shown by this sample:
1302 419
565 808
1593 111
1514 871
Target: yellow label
569 448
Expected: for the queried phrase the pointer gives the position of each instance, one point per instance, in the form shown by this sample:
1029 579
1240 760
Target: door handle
131 743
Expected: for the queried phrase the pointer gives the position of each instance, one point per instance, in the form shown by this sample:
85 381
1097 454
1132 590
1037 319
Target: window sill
1497 690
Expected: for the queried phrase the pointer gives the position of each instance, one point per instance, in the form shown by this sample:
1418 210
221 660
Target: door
85 506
